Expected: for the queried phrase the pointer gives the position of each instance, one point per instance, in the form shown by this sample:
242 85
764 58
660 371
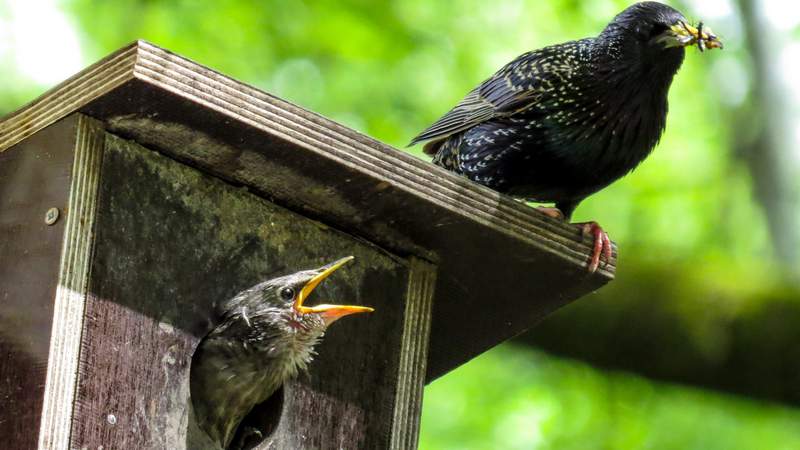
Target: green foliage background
388 69
512 398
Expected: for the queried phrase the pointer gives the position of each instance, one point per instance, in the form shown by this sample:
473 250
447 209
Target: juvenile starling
558 124
266 335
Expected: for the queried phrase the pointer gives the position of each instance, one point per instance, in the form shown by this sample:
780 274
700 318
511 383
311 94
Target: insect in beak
700 41
688 35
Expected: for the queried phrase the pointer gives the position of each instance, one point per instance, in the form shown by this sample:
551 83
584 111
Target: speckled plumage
560 123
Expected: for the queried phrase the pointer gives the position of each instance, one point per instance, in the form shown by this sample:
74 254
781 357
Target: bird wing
513 88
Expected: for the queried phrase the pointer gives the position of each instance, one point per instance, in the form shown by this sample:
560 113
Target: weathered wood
34 177
502 266
70 297
170 242
413 354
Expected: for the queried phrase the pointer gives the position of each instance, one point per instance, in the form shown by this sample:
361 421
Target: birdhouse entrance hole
260 423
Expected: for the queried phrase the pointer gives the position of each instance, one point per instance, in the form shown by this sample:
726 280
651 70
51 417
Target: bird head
659 27
280 305
266 335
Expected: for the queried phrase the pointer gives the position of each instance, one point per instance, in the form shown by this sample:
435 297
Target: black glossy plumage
560 123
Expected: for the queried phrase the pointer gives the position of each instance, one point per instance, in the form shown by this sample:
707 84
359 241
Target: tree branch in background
673 324
763 136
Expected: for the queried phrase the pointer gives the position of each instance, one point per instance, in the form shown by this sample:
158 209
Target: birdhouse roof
502 266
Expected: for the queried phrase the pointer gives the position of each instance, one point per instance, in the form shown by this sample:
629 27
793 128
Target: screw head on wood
51 216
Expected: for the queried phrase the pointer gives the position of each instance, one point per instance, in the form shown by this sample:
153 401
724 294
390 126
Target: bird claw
602 245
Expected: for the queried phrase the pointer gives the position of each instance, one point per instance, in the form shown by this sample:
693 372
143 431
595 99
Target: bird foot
602 245
555 213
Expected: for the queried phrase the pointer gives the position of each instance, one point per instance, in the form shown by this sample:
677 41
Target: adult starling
558 124
266 336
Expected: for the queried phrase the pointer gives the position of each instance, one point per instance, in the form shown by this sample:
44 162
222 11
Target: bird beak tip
332 313
329 313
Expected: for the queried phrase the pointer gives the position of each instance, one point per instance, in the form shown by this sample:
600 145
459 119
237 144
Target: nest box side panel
35 176
171 242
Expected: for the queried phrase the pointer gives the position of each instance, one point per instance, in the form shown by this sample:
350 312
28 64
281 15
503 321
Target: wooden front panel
34 176
170 242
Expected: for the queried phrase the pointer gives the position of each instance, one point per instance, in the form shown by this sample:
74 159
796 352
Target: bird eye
658 29
287 293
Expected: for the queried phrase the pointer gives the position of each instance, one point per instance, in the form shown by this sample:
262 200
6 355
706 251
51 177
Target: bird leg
602 244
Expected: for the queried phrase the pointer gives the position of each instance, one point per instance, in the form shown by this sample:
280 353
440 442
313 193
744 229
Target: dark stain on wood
170 242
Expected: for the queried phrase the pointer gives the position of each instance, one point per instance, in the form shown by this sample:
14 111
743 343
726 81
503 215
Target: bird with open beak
266 335
558 124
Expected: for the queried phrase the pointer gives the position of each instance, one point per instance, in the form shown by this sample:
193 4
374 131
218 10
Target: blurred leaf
516 398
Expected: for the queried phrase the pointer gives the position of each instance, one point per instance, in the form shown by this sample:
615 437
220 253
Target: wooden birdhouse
143 191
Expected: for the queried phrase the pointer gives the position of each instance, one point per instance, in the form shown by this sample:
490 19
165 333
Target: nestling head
277 308
265 336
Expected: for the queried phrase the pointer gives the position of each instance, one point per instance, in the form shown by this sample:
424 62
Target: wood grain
67 97
68 308
417 320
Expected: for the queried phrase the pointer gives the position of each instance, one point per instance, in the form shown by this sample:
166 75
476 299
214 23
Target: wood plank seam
71 292
413 355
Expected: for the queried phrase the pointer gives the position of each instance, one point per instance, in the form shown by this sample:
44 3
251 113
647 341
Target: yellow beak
329 313
685 35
